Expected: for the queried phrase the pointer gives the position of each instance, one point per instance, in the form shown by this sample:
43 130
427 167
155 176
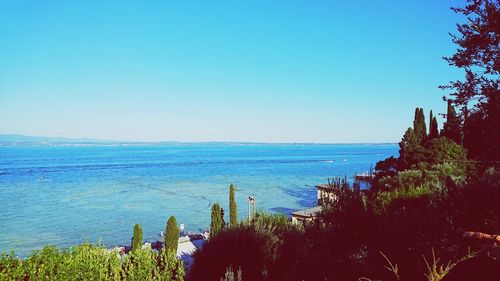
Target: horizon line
83 140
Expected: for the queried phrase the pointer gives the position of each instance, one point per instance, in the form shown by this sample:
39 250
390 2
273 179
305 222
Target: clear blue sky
274 71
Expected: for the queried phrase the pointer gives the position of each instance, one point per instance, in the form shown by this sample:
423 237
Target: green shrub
89 262
385 199
171 268
11 268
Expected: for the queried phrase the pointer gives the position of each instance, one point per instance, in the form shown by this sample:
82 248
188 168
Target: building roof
324 187
311 212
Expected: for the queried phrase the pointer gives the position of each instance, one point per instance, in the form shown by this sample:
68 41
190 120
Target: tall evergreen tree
233 211
423 126
171 235
434 133
430 123
216 225
419 127
451 128
433 127
137 238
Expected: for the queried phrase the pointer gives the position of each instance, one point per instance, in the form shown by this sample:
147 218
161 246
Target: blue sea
66 195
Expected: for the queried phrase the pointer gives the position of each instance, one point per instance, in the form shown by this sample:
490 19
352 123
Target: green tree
451 128
433 127
233 211
216 225
434 133
387 167
477 54
419 127
444 150
137 238
430 121
410 150
171 235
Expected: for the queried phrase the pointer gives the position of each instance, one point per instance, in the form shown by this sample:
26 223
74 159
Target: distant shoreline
13 140
27 144
32 141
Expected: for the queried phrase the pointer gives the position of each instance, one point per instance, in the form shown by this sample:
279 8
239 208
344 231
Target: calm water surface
69 195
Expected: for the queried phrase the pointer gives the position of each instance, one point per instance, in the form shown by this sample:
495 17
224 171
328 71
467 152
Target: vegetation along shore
432 213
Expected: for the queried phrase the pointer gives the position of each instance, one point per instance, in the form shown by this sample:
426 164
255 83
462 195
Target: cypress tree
434 133
415 121
433 127
419 127
430 123
137 238
423 126
171 235
216 224
233 211
222 212
451 128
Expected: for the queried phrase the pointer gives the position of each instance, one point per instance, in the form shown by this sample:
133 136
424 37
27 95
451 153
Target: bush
400 196
89 262
255 248
11 268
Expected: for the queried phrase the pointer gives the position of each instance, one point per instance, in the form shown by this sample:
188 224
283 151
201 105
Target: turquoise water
69 195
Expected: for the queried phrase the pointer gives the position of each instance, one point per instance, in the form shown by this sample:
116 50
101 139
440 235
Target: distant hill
22 140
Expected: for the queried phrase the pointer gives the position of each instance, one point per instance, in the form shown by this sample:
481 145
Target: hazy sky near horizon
273 71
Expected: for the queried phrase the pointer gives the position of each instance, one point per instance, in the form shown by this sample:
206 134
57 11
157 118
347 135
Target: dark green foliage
410 150
442 150
387 167
478 93
216 224
171 235
477 54
233 210
240 247
433 127
451 128
419 127
345 242
137 238
482 132
256 248
430 121
411 147
406 146
434 133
